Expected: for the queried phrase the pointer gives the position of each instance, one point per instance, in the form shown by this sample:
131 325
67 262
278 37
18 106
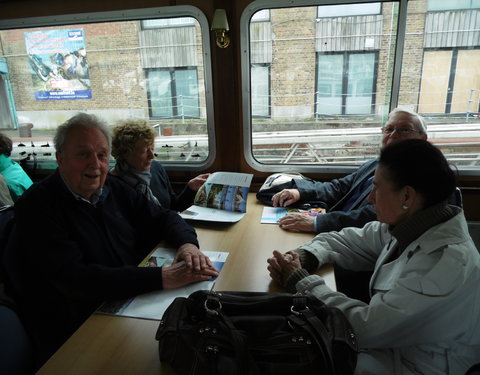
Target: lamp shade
220 21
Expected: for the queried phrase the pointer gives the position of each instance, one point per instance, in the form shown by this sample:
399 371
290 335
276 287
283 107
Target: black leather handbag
247 333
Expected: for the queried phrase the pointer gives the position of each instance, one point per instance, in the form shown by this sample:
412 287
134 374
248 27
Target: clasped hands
190 265
281 266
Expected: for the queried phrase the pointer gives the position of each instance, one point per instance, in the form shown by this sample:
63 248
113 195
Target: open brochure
152 305
223 197
271 215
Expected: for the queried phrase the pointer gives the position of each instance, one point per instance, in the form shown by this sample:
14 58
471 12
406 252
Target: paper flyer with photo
223 197
152 305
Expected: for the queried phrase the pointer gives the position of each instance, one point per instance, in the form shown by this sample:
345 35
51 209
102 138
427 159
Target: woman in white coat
423 316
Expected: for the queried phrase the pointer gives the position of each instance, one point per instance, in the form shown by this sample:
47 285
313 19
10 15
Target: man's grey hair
80 120
417 120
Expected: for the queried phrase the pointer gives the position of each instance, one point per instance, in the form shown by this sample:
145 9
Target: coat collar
450 232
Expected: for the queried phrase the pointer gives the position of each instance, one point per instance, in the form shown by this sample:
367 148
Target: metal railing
459 142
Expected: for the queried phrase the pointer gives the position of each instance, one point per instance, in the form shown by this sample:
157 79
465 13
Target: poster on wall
58 64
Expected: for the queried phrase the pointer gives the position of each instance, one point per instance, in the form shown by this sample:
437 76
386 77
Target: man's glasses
388 130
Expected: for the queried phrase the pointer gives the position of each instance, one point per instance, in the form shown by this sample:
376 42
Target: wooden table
115 345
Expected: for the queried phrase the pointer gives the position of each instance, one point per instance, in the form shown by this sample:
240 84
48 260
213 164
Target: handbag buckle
212 309
298 313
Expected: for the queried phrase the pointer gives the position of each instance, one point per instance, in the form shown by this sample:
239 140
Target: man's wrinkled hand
297 222
193 257
286 198
178 274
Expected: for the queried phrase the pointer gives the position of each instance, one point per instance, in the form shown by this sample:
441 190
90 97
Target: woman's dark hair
421 165
5 145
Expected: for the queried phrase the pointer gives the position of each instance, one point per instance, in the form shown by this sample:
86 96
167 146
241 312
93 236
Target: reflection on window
151 69
332 79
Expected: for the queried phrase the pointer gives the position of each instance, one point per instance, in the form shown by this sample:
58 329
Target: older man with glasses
346 198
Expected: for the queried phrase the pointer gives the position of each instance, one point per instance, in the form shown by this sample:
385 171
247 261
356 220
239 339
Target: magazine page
271 215
223 197
152 305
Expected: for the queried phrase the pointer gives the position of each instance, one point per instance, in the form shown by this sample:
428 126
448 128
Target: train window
152 64
320 80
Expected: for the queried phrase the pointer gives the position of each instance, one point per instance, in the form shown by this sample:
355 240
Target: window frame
140 15
246 89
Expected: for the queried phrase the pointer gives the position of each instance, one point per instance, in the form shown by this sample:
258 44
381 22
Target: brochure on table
271 215
223 197
152 305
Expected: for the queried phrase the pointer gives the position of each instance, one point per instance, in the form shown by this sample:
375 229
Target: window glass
361 84
173 93
261 15
440 78
145 68
329 84
337 71
186 101
159 88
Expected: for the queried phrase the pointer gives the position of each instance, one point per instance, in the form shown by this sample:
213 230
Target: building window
450 82
345 84
173 93
439 5
260 90
349 10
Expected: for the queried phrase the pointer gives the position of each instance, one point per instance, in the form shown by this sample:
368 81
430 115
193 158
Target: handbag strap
245 363
314 326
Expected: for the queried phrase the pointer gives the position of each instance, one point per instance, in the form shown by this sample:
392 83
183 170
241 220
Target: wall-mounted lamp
220 26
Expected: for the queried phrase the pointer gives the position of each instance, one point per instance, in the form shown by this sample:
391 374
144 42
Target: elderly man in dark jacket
80 235
346 198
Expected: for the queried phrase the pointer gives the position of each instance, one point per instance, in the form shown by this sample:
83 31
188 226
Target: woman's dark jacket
163 191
